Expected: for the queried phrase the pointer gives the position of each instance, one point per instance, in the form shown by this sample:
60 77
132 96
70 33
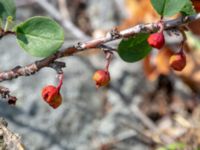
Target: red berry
196 4
156 40
178 61
52 96
101 77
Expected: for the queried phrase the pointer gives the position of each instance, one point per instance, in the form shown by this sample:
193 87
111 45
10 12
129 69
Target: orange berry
156 40
101 77
52 96
178 61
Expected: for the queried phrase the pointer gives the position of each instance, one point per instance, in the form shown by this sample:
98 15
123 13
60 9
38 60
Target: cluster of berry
51 94
178 60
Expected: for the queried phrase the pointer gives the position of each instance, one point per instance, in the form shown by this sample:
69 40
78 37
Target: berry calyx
101 77
156 40
51 94
178 61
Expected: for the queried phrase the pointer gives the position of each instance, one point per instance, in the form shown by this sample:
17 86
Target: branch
8 139
95 43
5 33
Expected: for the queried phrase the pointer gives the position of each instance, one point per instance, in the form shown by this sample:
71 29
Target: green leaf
135 48
173 146
7 8
188 9
40 36
172 7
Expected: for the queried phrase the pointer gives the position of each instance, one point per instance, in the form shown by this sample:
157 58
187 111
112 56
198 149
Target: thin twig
145 120
67 24
64 10
5 33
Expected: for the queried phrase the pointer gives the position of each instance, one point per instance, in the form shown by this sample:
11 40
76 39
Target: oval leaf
135 48
172 7
7 8
188 9
40 36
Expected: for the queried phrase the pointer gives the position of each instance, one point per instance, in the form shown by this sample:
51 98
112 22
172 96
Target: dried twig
67 24
5 93
63 9
8 139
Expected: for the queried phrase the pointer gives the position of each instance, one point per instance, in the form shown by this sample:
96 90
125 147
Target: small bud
101 77
156 40
52 96
12 100
178 61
